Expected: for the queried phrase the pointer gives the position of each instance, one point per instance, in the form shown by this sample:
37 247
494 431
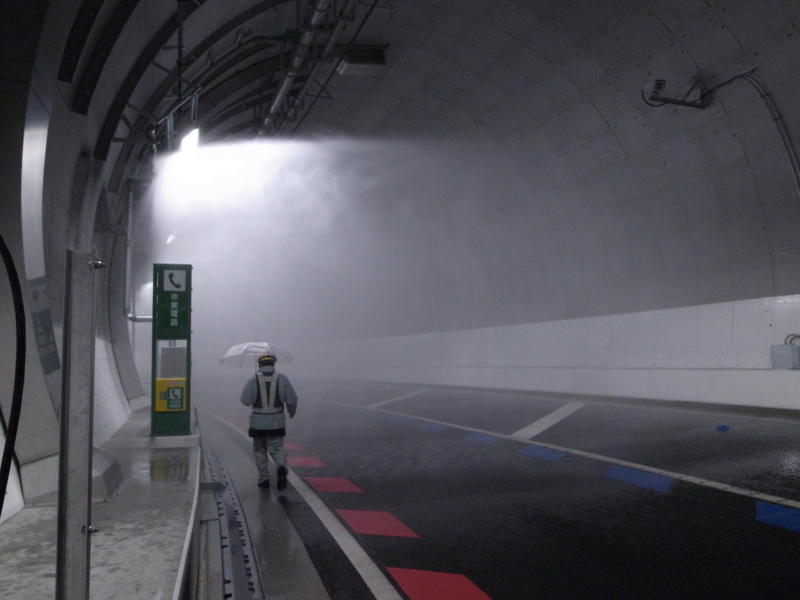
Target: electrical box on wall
785 356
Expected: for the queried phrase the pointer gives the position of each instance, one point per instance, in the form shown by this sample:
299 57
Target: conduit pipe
19 371
316 14
777 117
333 72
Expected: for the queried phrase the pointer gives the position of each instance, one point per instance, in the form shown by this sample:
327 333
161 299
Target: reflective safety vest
268 388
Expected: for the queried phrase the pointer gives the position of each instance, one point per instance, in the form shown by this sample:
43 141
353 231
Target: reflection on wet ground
169 464
141 529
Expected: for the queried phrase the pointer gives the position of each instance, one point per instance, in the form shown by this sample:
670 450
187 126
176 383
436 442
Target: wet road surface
448 504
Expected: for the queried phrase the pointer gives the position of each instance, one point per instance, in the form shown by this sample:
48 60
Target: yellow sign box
170 395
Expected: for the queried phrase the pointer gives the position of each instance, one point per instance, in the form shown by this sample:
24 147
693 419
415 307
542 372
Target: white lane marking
396 398
369 571
544 423
614 461
374 578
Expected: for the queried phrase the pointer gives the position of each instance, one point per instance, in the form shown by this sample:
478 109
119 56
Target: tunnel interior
576 200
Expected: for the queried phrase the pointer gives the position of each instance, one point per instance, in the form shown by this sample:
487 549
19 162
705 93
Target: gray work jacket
270 424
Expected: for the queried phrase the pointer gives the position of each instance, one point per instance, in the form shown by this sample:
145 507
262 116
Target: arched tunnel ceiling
620 203
539 75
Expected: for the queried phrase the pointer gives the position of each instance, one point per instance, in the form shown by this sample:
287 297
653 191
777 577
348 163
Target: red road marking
305 461
429 585
333 484
291 446
375 522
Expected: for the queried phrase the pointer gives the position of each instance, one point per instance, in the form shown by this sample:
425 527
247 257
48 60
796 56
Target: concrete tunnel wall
628 225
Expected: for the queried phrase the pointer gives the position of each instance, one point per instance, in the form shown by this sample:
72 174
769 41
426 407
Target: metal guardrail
240 576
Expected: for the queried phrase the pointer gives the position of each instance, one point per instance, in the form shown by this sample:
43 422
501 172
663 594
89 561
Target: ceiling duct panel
363 60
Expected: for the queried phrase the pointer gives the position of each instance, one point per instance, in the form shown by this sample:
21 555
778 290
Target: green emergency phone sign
172 343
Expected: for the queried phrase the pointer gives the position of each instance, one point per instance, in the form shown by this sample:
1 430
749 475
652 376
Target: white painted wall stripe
718 353
547 422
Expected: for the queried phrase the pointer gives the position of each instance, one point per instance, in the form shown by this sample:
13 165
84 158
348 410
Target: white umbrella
235 356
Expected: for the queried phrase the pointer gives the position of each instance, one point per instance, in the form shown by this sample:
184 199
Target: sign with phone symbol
175 281
175 398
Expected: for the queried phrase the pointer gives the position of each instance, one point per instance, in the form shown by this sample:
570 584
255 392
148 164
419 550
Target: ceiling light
190 141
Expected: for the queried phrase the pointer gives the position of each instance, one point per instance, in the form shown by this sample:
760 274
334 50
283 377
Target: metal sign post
75 451
172 350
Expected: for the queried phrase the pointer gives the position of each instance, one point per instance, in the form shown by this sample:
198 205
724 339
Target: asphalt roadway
457 494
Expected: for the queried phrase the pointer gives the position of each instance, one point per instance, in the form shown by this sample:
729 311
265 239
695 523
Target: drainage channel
240 577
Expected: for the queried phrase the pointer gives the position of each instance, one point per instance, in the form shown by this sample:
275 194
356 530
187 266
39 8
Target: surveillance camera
659 86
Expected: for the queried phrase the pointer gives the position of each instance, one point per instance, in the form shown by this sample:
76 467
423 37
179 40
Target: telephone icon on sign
175 281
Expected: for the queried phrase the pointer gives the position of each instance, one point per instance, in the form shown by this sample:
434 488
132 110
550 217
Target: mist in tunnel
308 241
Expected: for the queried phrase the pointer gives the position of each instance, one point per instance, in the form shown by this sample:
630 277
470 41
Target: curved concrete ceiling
512 166
611 201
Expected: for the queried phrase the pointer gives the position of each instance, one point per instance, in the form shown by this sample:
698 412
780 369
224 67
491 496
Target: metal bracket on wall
702 101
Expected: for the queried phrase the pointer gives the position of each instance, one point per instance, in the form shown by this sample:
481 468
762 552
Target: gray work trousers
263 447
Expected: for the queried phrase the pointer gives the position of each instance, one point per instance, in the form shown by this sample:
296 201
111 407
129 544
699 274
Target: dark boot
281 478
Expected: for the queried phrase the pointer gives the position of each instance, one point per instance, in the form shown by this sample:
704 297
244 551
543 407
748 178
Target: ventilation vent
363 60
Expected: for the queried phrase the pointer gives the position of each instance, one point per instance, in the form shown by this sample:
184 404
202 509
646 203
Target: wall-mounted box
785 356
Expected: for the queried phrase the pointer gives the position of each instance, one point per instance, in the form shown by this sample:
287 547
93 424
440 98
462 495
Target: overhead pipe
316 15
324 86
129 306
326 51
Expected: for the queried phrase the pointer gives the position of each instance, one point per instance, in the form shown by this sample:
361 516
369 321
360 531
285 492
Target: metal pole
180 50
75 452
129 295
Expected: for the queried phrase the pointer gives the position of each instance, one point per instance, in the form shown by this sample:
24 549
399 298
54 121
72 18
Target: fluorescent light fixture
190 141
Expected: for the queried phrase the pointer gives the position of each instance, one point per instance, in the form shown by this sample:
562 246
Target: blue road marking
481 438
775 514
434 426
651 481
543 453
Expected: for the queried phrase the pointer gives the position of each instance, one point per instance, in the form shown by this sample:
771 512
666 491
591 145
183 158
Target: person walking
271 396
